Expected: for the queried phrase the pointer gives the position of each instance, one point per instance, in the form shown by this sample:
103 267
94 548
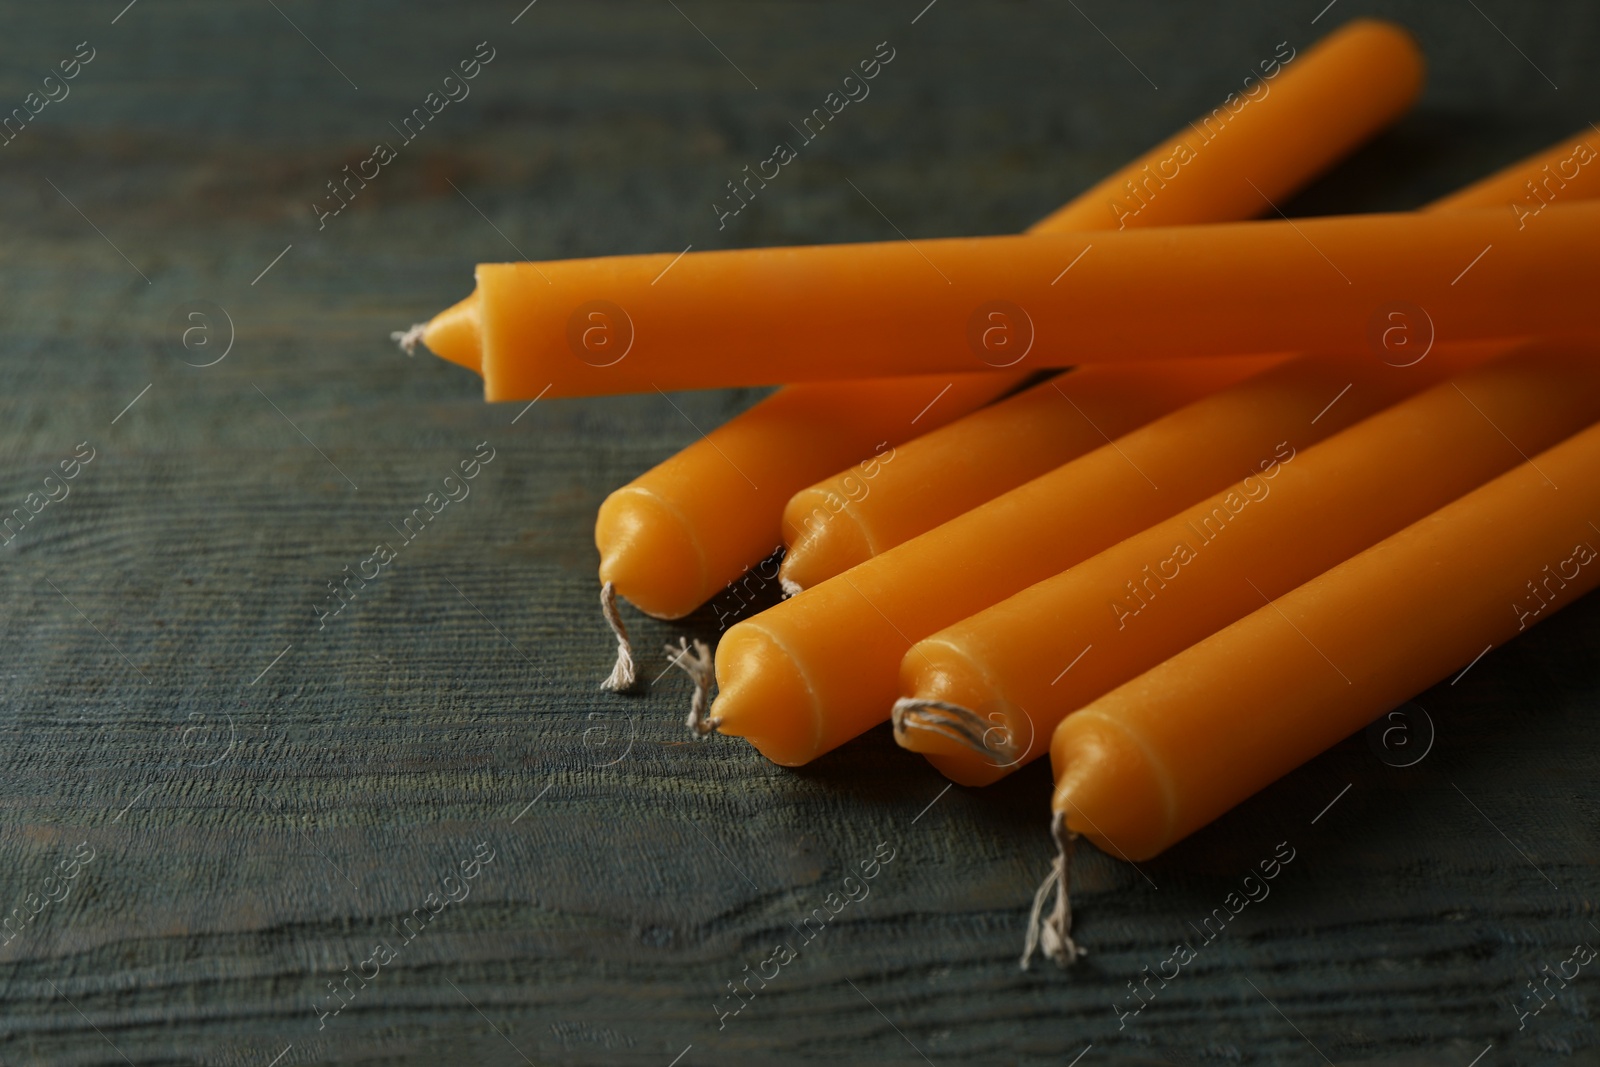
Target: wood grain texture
265 798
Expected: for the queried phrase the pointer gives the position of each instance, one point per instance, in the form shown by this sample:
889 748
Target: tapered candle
1302 114
809 674
678 534
842 520
850 517
1163 755
983 696
703 320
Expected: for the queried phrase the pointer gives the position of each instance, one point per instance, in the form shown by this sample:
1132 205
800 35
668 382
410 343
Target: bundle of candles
1299 471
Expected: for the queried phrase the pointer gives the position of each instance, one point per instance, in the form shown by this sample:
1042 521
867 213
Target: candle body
1304 510
1164 754
956 305
850 517
1303 114
676 535
810 673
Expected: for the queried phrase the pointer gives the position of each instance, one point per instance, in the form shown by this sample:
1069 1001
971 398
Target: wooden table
260 797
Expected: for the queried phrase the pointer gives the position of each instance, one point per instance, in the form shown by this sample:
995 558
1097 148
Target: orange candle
1166 753
1304 114
675 536
984 695
853 516
703 320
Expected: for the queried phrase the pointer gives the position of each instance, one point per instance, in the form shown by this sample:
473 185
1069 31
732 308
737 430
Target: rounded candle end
960 744
763 698
956 717
829 543
1107 789
649 554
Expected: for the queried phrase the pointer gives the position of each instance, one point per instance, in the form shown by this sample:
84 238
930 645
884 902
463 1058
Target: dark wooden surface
265 799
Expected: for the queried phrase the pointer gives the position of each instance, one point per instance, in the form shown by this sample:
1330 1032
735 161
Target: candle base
830 544
763 698
1108 787
649 553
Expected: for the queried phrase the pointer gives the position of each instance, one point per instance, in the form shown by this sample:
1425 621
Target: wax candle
702 320
1308 112
678 534
983 696
869 508
1163 755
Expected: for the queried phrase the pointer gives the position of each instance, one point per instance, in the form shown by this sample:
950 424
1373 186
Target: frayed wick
963 725
409 339
698 664
1053 933
623 672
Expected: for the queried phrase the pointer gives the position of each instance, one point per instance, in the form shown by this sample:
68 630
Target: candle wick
623 673
697 663
1054 933
990 738
409 339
